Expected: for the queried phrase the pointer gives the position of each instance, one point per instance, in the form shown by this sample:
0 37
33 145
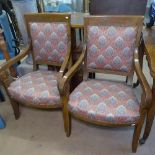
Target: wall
128 7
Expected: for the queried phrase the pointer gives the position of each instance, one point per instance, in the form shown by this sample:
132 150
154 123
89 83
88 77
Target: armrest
66 61
64 80
14 60
143 82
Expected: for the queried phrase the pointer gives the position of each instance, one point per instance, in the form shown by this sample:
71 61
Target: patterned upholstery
49 41
37 88
105 101
111 48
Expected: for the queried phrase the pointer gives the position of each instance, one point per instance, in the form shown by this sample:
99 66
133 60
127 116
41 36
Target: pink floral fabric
49 41
105 101
37 88
111 48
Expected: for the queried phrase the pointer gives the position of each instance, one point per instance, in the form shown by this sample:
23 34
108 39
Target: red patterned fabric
105 101
49 41
38 88
111 48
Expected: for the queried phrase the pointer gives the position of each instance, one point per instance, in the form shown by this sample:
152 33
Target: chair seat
105 101
36 88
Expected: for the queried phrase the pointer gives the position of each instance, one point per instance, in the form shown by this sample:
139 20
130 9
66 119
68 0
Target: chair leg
15 107
136 84
149 123
150 117
67 122
129 80
136 134
2 96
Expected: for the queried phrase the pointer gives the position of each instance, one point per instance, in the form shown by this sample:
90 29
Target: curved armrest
14 60
71 72
66 61
145 86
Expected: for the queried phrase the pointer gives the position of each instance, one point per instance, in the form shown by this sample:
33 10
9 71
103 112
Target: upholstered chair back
111 47
49 41
110 44
50 37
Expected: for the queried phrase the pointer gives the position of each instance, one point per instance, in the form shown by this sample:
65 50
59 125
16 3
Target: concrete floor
40 132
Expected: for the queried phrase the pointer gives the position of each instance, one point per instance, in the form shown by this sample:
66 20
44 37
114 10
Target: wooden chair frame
5 73
146 95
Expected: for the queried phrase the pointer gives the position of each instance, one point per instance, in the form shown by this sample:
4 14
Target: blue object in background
2 123
5 25
61 7
64 8
152 9
49 8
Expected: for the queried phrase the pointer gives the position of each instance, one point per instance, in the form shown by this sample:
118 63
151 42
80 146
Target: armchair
111 47
50 45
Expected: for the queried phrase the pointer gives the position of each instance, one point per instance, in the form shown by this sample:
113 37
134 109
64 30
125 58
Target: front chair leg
15 107
67 122
150 118
136 134
148 126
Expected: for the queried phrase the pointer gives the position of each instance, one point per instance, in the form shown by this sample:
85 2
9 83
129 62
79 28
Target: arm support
145 86
63 82
14 60
66 61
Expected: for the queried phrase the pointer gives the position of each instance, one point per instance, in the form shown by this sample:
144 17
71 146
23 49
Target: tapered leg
66 114
67 122
15 107
137 132
149 122
150 117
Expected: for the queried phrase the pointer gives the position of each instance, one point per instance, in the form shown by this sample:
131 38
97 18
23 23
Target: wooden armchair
111 47
50 45
3 49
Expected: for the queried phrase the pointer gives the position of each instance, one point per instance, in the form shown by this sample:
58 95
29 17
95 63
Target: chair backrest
111 41
50 37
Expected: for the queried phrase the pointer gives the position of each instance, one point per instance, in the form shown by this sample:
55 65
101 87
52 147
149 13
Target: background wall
111 7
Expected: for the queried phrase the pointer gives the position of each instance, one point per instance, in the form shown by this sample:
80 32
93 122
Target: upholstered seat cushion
105 101
37 88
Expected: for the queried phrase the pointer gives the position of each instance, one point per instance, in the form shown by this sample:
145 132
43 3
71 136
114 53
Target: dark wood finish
5 77
117 7
149 49
146 95
149 40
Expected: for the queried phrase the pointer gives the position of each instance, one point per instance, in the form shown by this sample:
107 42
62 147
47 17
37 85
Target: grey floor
40 132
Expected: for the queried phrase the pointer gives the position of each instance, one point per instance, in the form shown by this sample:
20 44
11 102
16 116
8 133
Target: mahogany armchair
50 45
111 47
